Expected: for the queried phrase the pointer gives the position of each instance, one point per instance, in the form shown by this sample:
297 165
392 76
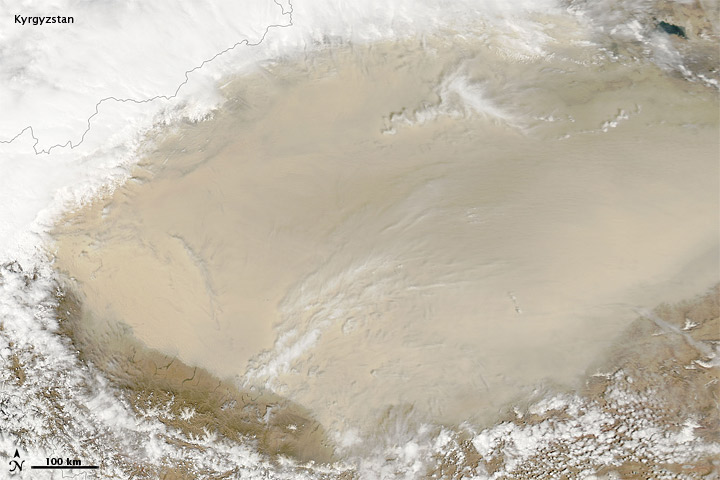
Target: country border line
70 143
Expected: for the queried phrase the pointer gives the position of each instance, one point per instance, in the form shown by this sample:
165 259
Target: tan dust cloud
451 266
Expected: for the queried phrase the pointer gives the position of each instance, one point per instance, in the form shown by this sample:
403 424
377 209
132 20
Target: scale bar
64 467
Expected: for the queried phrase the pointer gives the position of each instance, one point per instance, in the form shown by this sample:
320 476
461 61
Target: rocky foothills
43 20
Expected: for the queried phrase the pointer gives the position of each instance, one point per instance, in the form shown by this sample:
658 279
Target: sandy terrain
396 225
